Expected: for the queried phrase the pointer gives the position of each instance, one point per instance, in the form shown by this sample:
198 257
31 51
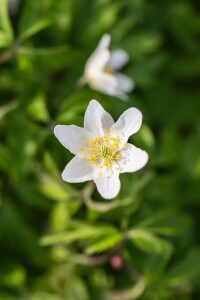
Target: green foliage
6 34
33 19
62 241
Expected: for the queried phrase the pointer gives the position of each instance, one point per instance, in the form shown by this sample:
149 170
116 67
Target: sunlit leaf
14 277
54 190
6 33
104 243
81 233
149 242
37 108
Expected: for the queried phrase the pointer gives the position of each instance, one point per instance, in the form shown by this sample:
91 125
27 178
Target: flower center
102 151
105 151
107 70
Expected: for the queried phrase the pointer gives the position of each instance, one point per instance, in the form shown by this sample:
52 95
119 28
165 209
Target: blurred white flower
101 148
101 70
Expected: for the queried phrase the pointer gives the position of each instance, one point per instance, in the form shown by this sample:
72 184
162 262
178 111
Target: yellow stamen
103 151
107 70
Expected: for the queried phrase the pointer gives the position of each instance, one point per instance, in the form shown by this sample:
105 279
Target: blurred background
60 241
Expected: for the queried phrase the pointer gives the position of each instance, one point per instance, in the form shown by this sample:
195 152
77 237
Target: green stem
100 207
6 55
90 260
132 293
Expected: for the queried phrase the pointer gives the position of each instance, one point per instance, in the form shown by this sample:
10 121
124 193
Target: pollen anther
103 151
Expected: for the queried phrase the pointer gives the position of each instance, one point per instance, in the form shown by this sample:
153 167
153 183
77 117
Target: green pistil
105 151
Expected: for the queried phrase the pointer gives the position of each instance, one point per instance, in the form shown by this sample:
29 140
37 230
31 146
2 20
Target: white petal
72 137
99 58
118 59
127 124
103 81
107 84
107 172
109 90
132 159
104 41
96 63
97 119
125 83
78 170
108 187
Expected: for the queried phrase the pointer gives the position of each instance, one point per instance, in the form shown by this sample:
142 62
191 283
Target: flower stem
132 293
100 207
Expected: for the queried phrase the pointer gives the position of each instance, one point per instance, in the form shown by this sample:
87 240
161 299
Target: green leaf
167 223
6 33
37 108
14 277
145 136
5 109
143 43
70 114
104 243
34 18
54 190
183 270
149 242
44 296
34 28
80 232
6 157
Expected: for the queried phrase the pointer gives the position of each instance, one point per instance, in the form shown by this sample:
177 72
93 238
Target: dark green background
55 242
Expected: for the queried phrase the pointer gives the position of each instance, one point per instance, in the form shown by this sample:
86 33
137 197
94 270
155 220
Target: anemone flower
101 70
101 149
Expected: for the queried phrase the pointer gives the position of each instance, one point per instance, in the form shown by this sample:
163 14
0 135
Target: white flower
101 70
101 149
